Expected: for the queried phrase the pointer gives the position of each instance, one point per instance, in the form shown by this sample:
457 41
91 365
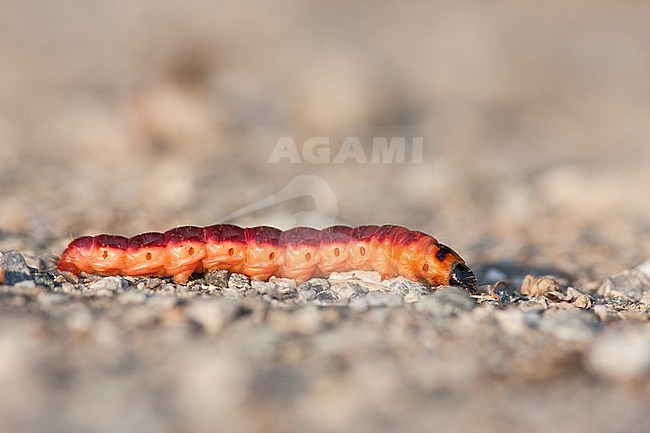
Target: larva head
462 276
442 265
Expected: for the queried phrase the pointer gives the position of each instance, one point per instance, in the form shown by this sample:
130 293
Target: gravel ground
125 117
346 353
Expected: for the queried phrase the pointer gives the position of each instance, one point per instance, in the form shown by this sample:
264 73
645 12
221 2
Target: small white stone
411 297
512 321
369 276
213 314
620 356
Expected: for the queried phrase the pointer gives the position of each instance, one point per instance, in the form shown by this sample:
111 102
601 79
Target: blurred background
126 117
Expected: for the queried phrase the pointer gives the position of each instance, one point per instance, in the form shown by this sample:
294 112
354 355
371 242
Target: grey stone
380 299
108 286
620 356
446 301
286 286
50 299
306 295
45 279
326 296
217 278
345 292
631 284
14 267
279 288
359 304
316 284
79 319
266 288
213 314
511 321
571 325
132 297
239 282
411 297
303 320
153 283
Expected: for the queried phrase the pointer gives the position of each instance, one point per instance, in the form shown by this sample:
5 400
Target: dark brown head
462 276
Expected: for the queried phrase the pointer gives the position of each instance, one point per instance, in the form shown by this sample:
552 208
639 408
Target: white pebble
620 356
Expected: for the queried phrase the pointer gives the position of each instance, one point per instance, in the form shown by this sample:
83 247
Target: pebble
345 292
601 311
570 325
132 297
632 284
152 283
67 288
368 276
286 286
326 296
359 305
620 356
511 321
14 268
239 282
306 295
45 279
107 286
266 288
233 293
446 301
49 299
303 320
402 286
579 299
315 284
218 278
381 299
279 288
214 314
411 297
349 290
534 286
79 319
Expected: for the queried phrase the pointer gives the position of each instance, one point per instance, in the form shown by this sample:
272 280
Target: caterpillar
262 252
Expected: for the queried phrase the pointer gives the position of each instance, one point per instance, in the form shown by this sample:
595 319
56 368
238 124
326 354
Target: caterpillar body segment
262 252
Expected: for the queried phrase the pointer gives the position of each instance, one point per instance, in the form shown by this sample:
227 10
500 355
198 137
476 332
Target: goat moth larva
262 252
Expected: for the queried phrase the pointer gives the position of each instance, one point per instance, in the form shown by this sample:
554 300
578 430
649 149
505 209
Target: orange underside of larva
420 258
